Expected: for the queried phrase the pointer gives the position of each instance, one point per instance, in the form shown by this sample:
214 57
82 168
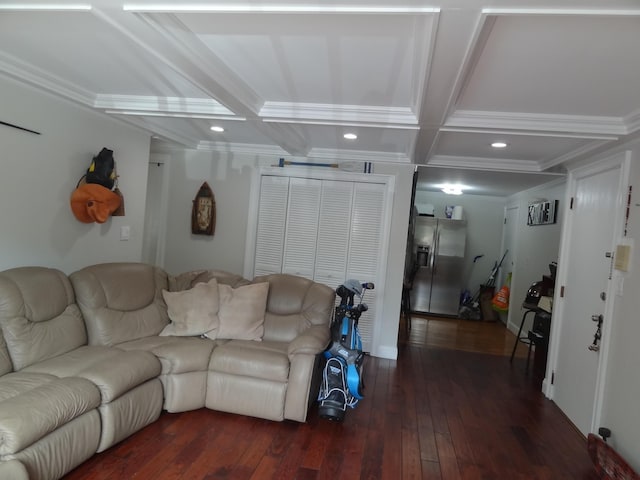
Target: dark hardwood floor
450 407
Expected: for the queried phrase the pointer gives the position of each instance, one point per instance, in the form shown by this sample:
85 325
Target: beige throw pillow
241 312
194 311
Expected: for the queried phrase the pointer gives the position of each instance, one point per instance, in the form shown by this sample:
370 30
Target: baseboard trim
390 353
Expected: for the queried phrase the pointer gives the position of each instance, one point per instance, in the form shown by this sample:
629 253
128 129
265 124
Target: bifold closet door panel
301 231
334 232
272 218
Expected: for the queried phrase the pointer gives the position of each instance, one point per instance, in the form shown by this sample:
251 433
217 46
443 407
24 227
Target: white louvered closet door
301 230
272 217
325 230
334 232
364 250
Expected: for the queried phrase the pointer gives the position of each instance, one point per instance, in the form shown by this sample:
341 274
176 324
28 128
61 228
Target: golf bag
342 376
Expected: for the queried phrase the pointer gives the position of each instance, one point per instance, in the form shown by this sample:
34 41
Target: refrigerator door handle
432 252
436 248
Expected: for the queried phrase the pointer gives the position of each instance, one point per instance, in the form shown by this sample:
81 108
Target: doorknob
597 318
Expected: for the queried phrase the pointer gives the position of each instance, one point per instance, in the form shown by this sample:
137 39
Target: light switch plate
125 232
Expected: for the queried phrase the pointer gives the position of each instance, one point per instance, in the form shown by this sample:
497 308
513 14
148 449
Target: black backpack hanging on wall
102 169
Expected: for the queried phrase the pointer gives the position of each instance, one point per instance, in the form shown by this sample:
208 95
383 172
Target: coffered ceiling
433 84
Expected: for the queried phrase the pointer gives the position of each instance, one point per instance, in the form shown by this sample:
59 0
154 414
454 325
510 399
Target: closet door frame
327 174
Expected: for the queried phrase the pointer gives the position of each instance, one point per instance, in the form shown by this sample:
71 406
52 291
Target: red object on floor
608 463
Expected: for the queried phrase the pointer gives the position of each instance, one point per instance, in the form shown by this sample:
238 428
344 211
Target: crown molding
26 73
274 8
324 154
577 152
600 12
163 105
42 7
482 163
243 148
330 114
633 122
331 154
592 126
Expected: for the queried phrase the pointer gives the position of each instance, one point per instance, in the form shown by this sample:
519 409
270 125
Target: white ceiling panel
318 58
81 49
554 64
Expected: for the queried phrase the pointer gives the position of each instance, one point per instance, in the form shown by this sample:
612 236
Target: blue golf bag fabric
342 383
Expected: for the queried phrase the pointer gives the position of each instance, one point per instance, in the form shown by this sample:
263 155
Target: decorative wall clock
203 213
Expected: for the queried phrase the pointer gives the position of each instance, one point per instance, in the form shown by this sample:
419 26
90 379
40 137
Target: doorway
153 239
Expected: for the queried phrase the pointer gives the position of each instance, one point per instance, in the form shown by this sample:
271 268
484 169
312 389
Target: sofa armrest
312 341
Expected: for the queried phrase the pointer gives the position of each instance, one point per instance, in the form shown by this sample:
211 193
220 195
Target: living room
40 172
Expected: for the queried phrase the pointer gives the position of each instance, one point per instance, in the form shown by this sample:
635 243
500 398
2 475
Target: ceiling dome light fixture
217 129
451 189
499 145
350 136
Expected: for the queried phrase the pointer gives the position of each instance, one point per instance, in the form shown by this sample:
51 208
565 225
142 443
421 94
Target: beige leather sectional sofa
88 359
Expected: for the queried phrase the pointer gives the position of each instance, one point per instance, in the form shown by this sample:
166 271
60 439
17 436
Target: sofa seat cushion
17 383
176 354
264 360
112 370
34 405
13 470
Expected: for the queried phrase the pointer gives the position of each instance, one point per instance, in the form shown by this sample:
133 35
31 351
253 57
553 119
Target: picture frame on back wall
203 212
542 213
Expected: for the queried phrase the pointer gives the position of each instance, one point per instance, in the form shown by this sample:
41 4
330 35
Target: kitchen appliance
439 265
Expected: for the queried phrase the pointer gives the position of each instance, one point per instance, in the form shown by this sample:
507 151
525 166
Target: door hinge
571 204
562 291
553 376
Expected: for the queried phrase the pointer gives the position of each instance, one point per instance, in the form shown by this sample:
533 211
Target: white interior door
592 231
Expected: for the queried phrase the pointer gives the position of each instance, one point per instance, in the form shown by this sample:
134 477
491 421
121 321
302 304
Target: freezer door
448 266
425 235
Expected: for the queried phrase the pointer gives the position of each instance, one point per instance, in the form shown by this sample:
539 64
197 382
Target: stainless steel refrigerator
439 246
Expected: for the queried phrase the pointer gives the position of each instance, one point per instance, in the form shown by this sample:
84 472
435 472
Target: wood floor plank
451 406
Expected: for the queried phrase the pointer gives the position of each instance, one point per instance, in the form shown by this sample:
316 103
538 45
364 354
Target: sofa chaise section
45 334
48 425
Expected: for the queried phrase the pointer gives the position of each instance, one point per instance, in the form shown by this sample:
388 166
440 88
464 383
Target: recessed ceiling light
350 136
498 144
218 129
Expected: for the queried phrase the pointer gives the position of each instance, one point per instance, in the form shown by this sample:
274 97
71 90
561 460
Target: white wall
535 246
484 216
39 173
229 176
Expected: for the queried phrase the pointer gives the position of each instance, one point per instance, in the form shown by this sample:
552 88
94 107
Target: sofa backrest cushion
38 315
187 280
121 302
294 304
